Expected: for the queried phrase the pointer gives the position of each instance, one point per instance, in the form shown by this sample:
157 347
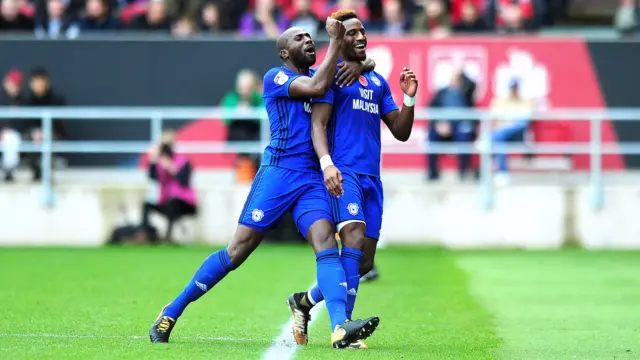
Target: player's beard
304 60
352 55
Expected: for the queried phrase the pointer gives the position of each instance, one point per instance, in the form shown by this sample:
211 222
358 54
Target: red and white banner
554 72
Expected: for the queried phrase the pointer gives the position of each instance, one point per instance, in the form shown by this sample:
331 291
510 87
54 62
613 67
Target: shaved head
295 45
283 39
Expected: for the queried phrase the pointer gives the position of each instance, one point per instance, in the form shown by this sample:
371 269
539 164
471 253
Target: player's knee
322 237
244 242
352 235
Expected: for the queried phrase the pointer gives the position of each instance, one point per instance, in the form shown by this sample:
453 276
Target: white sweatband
409 100
325 162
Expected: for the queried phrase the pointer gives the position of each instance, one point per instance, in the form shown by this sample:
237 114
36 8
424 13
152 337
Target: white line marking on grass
284 347
136 337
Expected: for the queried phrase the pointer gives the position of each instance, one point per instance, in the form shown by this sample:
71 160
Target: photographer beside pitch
347 139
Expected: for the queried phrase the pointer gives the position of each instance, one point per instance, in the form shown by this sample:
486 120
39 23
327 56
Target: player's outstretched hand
335 28
348 73
408 82
333 180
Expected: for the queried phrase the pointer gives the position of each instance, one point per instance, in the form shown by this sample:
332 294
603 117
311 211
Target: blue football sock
350 259
314 295
332 283
212 270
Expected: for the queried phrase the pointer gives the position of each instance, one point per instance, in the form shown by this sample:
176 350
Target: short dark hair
344 15
39 72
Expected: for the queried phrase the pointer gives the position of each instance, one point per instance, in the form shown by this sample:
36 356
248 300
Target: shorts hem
254 227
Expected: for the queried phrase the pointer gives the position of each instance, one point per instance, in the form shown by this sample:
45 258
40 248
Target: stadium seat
131 11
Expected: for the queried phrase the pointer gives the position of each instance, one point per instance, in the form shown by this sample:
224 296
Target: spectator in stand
231 13
56 23
98 17
41 94
155 19
512 117
12 20
184 27
457 7
470 20
514 16
359 6
265 20
182 8
433 19
394 18
11 96
173 174
627 18
457 95
209 20
12 89
245 95
305 18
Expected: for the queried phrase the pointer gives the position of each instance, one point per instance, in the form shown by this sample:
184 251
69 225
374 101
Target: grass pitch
433 304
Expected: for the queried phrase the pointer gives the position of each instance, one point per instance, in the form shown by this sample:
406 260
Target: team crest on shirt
280 78
257 214
363 80
353 209
375 80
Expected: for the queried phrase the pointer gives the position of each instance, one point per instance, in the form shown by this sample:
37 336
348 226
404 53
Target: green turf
433 304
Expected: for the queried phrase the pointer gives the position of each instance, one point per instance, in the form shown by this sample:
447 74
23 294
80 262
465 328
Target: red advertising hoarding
556 73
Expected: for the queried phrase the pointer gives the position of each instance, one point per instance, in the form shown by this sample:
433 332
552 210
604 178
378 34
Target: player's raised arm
401 122
320 115
321 81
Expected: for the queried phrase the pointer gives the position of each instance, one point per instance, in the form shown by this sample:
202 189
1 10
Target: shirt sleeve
277 82
387 104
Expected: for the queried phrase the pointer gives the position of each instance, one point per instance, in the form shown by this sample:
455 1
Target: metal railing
157 115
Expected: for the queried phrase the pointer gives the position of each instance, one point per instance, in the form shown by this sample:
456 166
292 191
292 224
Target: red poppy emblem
363 81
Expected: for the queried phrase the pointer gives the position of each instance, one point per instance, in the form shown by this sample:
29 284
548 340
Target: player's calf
352 235
213 270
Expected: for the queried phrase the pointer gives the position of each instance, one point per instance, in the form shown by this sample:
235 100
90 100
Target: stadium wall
528 217
562 72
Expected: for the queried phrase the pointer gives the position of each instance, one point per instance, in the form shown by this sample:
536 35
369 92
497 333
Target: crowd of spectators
38 92
70 18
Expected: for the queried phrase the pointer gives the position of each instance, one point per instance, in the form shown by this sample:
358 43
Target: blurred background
524 134
136 122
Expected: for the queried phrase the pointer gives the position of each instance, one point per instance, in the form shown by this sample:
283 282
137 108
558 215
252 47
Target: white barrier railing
157 115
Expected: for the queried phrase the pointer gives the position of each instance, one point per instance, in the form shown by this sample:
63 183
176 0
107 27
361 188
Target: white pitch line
284 347
136 337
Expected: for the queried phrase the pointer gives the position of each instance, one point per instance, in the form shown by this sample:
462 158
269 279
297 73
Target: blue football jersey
290 122
353 131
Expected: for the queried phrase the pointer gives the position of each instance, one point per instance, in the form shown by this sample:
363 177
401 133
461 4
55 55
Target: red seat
131 11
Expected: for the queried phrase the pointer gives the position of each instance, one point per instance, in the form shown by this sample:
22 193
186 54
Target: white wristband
325 162
409 100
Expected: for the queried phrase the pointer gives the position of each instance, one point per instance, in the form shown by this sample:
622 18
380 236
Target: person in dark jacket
98 17
156 18
471 21
12 97
459 94
41 95
11 19
12 89
172 172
